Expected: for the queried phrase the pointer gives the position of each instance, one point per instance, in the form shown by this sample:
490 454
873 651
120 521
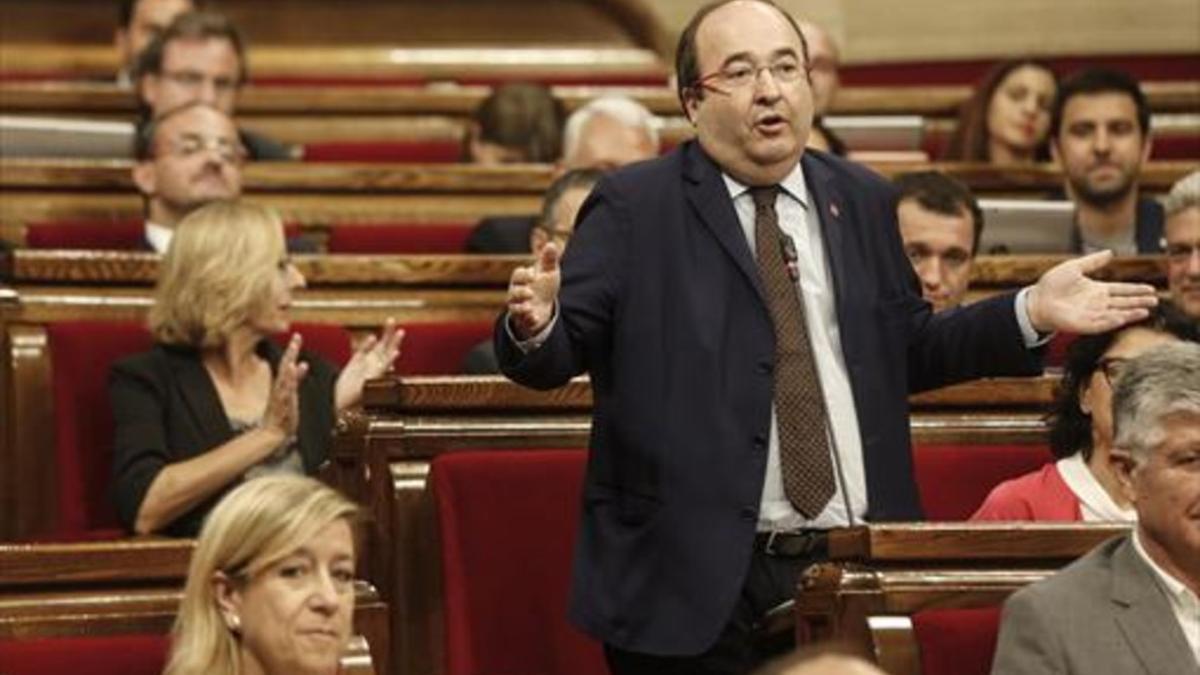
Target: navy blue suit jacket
662 305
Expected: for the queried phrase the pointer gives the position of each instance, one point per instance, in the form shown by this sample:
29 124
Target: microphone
787 248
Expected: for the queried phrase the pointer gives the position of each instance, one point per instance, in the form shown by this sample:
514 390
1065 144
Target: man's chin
1104 195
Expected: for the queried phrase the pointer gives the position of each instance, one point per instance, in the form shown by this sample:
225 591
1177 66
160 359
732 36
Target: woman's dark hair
970 140
1070 427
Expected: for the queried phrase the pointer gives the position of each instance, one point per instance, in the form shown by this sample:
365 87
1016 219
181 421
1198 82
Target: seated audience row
1129 606
216 400
1083 485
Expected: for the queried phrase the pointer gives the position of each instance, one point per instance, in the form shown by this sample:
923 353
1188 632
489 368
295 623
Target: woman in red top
1082 484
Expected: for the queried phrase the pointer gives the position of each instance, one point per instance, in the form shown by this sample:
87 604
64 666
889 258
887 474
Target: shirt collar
1174 587
158 236
793 184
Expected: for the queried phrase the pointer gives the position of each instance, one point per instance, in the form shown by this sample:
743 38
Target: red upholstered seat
399 238
419 151
81 355
99 235
439 348
507 521
957 641
103 655
953 480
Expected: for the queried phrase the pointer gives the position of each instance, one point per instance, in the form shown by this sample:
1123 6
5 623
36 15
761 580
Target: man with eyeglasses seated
201 57
940 223
185 158
1182 242
752 329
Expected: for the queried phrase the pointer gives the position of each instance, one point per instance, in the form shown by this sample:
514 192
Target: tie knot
764 197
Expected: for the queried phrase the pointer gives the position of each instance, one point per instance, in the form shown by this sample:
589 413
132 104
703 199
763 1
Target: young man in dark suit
752 329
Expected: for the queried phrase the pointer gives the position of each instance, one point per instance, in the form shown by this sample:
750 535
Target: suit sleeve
1028 642
588 300
140 437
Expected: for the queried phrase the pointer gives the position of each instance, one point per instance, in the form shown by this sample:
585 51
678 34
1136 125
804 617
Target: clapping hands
371 359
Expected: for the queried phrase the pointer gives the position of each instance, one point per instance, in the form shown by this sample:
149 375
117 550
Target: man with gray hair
609 132
1129 606
1182 242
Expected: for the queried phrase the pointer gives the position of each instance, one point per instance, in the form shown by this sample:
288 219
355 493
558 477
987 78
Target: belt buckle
769 548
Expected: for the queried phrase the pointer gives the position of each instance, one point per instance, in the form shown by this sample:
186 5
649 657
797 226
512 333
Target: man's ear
537 239
229 599
1123 466
145 177
121 42
1147 148
147 88
690 105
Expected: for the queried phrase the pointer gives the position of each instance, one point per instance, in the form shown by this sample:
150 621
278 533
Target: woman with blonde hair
271 583
216 400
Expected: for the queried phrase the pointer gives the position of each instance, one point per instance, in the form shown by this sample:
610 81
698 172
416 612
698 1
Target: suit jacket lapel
200 396
1144 615
827 199
708 195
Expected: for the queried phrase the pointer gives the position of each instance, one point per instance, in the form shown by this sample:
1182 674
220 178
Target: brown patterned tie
799 402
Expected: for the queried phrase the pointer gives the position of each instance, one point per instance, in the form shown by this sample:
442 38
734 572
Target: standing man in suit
752 330
1130 606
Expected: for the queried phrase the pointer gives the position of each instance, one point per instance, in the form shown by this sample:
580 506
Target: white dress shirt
1182 600
158 236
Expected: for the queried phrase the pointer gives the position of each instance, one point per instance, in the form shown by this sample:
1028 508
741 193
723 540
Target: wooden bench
406 423
879 576
134 587
92 99
356 292
317 196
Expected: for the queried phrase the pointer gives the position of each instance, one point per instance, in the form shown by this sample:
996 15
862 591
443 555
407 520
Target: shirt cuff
1029 334
536 341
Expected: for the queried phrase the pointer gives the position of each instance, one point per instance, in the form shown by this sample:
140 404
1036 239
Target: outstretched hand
371 359
532 291
1065 299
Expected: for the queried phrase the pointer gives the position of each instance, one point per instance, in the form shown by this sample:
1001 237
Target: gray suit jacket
1106 613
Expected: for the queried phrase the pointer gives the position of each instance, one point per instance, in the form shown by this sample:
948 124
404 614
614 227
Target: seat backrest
957 641
81 356
953 480
90 235
439 348
94 655
399 238
437 150
507 524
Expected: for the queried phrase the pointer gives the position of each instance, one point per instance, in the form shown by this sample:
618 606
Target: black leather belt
798 544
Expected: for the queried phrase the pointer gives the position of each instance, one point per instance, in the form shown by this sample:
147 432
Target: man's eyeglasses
190 145
1112 367
742 75
192 79
1182 251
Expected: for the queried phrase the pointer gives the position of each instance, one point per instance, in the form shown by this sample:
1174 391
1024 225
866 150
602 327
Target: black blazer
166 409
662 305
